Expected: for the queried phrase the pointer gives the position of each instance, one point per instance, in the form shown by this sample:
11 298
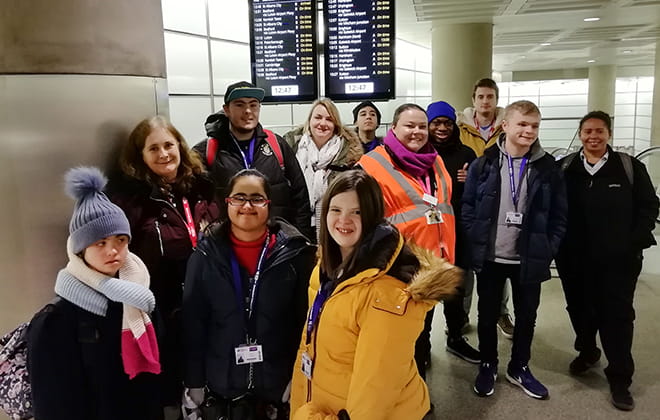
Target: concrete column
655 109
462 54
602 84
75 77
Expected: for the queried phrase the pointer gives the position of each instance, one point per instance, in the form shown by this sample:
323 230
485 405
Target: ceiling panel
551 6
625 34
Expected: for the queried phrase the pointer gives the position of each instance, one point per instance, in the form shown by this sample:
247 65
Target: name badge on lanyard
251 352
246 354
515 217
312 320
433 215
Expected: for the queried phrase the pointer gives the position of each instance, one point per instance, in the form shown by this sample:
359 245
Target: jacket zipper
160 238
167 203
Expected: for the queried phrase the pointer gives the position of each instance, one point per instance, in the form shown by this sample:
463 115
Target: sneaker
484 385
524 379
505 323
622 399
584 362
459 347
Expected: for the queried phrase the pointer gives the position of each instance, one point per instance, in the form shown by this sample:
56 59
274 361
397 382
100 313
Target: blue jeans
526 298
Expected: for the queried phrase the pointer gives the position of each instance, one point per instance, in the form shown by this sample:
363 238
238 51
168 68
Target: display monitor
283 49
359 49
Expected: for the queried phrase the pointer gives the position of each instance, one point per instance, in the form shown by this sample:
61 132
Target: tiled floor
451 379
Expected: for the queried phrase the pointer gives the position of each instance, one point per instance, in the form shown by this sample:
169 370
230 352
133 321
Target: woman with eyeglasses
244 305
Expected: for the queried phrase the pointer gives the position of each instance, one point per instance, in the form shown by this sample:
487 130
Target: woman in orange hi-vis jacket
369 295
417 192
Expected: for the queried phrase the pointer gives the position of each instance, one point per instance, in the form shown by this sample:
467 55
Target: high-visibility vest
405 207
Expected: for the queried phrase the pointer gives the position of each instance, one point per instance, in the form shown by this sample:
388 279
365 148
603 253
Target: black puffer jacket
214 325
289 197
544 220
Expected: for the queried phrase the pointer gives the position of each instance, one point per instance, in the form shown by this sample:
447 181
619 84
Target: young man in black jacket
514 214
612 212
444 135
241 143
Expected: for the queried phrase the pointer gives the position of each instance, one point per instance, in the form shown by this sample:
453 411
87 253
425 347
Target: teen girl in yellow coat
368 300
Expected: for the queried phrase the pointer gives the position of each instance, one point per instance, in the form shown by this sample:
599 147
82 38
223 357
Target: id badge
307 365
513 218
433 217
249 354
429 199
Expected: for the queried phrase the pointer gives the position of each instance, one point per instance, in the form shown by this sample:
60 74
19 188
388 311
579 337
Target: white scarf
314 163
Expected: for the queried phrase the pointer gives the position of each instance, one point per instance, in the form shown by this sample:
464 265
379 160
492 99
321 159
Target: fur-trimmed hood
466 117
437 278
428 277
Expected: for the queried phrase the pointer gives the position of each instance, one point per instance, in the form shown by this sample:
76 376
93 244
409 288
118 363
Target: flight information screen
283 49
359 49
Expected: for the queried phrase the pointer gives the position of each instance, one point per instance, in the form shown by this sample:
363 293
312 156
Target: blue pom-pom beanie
94 217
441 109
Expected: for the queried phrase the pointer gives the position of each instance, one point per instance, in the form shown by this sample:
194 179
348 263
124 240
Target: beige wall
109 60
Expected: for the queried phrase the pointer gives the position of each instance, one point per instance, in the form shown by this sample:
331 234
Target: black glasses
239 201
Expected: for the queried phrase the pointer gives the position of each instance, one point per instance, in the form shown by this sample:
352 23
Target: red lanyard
492 126
190 223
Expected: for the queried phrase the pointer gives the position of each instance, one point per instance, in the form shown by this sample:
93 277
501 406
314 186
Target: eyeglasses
239 201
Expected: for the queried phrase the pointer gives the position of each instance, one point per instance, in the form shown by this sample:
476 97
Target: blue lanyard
247 159
254 282
515 194
315 311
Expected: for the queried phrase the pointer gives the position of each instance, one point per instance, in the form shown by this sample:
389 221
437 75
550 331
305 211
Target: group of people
265 277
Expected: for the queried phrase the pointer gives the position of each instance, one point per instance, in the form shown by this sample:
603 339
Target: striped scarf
91 290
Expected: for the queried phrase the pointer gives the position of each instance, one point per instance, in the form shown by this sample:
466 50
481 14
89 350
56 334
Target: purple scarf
416 164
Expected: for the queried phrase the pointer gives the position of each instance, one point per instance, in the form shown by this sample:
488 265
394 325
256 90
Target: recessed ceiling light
591 61
627 51
545 44
523 56
591 19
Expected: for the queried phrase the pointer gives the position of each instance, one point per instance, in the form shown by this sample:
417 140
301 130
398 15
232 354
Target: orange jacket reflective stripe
405 207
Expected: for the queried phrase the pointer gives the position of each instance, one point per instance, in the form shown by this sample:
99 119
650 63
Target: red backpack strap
275 146
211 151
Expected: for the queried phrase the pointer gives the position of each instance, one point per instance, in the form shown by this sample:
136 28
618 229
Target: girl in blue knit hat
92 352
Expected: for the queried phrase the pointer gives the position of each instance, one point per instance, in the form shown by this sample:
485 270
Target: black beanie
357 109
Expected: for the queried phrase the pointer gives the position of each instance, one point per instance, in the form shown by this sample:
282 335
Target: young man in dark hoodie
242 144
444 135
514 214
366 118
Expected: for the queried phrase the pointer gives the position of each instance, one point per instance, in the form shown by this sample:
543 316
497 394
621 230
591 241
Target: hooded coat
363 343
544 218
470 135
289 197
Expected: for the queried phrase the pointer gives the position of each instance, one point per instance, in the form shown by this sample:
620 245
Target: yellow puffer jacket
364 341
470 135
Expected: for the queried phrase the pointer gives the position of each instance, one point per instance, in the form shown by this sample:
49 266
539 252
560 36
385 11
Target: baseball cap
243 90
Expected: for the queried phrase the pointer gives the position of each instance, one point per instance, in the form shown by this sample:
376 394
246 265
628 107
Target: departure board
283 49
359 49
